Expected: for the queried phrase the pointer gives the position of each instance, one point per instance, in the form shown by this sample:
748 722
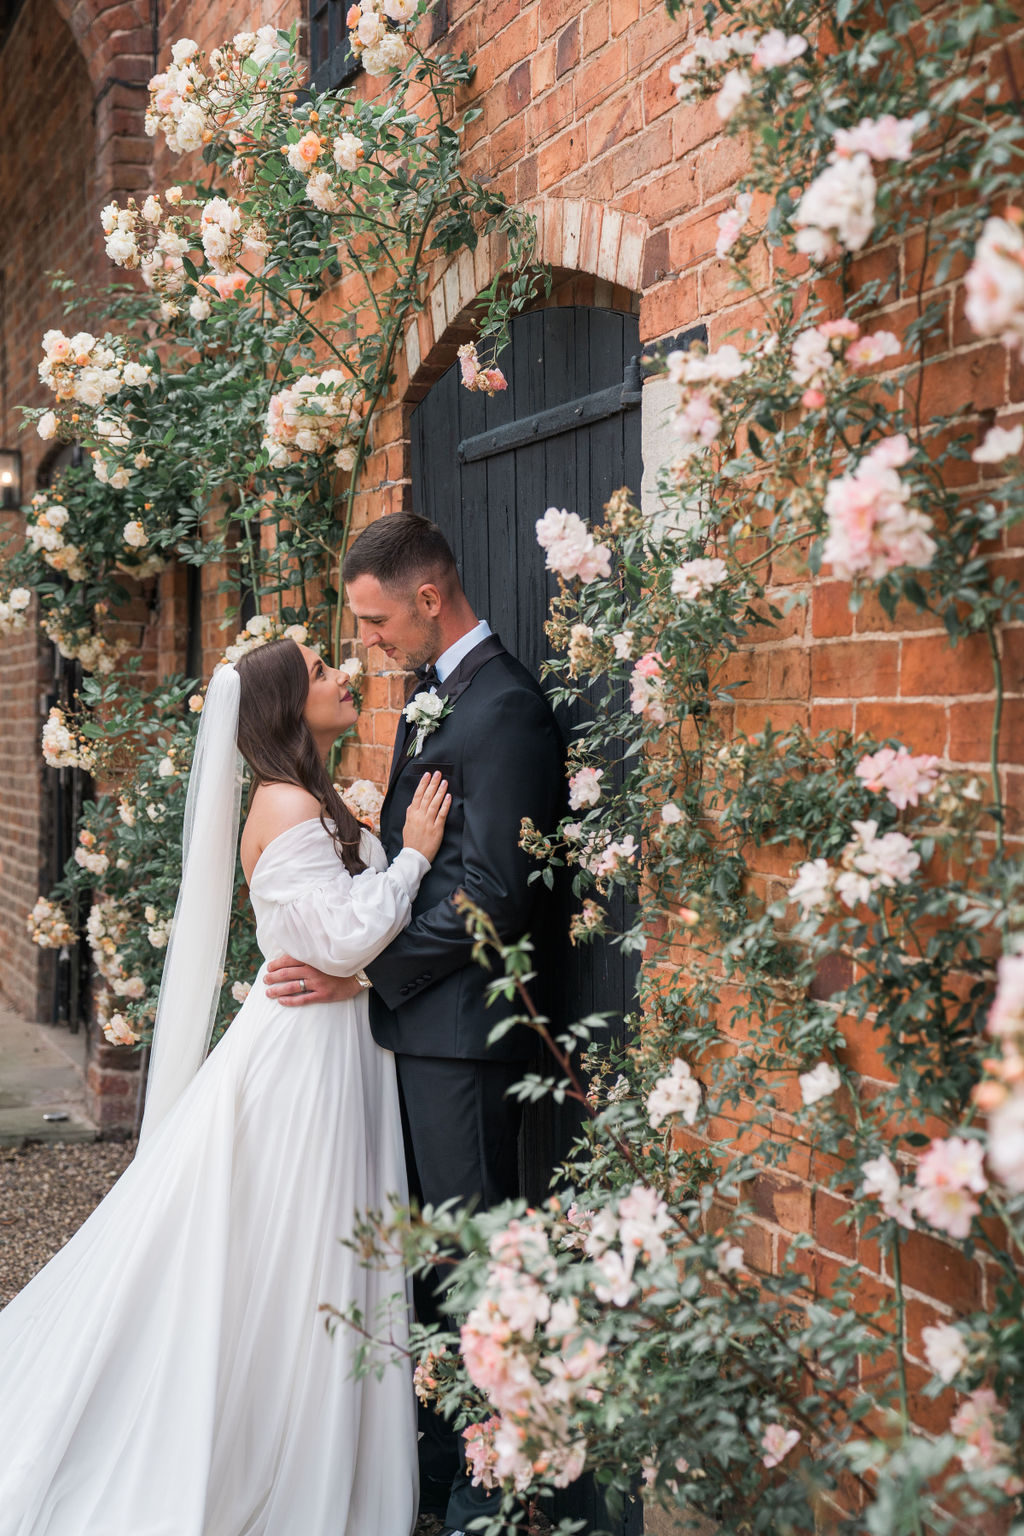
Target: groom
496 742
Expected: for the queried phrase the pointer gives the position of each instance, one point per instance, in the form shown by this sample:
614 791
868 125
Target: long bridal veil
194 965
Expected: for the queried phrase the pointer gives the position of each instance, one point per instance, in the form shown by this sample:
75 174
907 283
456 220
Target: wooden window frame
331 60
332 63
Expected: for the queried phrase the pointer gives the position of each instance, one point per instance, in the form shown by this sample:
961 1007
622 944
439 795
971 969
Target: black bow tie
423 678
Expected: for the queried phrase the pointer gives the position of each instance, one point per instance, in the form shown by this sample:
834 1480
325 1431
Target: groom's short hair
401 551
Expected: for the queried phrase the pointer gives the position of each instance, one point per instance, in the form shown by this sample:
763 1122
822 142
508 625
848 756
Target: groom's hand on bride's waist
293 984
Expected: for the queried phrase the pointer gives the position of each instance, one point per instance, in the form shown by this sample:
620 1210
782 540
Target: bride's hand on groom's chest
417 766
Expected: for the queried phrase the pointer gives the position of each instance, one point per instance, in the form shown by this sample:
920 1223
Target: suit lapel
455 684
401 738
458 681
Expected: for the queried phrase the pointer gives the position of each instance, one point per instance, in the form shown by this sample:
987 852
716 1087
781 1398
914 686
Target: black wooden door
566 433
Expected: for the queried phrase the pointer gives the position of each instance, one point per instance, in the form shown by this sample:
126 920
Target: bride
168 1373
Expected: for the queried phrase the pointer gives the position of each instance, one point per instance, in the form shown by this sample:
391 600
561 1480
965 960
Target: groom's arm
295 984
511 768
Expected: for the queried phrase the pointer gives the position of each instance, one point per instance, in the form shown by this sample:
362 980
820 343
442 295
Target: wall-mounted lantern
10 479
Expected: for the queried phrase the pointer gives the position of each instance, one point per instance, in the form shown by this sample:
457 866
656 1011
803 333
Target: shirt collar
446 663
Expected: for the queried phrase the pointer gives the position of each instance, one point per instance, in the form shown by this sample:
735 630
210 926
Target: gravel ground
46 1192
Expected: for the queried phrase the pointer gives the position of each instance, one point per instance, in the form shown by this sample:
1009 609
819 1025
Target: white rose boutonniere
425 711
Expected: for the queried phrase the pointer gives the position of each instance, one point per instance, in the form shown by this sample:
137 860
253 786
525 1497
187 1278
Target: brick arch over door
117 40
573 236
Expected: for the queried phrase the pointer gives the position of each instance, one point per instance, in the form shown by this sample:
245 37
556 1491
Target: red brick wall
48 192
580 122
580 119
72 80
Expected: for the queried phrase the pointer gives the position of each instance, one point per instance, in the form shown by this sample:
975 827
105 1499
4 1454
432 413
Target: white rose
585 788
266 45
812 886
56 345
677 1093
999 444
729 1257
216 243
428 706
46 426
165 768
819 1083
42 537
945 1349
191 129
183 50
88 387
135 535
321 194
735 86
118 1031
135 374
348 151
370 29
19 598
1006 1141
392 52
151 210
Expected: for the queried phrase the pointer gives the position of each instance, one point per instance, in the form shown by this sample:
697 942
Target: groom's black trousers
461 1142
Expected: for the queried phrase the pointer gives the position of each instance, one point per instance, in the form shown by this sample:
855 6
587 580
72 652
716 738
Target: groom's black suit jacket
501 752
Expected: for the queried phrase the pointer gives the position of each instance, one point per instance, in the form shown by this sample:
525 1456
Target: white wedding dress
169 1373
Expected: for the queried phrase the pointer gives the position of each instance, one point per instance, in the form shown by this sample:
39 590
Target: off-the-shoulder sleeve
342 925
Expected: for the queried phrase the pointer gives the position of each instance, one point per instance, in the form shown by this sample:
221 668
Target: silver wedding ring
302 984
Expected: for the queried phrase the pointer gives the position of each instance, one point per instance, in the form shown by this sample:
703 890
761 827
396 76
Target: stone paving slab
42 1072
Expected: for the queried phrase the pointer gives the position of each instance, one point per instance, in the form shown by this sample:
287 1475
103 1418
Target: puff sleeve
343 924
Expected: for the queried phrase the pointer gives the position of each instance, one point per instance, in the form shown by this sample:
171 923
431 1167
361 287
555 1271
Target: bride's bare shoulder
274 809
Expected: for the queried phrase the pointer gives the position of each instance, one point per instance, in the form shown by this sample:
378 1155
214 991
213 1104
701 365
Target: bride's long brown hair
277 743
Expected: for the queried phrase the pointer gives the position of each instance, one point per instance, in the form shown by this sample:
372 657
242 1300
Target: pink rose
649 664
777 1442
846 330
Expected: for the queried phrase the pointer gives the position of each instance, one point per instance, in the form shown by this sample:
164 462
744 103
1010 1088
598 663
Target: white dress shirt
446 663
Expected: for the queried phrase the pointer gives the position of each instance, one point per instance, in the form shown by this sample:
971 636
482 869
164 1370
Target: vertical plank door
566 433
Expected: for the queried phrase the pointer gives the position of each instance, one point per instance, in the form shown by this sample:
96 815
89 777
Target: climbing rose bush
740 1379
219 417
